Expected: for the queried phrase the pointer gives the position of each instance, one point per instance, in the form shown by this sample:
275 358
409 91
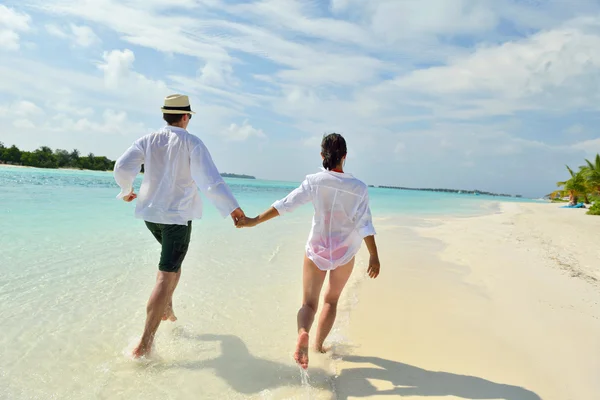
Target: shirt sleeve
127 167
298 197
209 181
363 218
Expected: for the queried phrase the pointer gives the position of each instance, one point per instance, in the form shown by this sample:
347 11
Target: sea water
77 270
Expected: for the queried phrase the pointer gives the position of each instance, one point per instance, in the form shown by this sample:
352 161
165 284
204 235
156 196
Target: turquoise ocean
77 270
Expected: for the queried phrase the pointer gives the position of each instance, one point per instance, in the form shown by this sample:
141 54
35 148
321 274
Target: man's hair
172 119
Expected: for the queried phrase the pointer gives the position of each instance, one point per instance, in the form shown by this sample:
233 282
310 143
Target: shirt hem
331 265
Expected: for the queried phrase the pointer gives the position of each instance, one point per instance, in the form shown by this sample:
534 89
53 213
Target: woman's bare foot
322 349
301 354
169 314
141 350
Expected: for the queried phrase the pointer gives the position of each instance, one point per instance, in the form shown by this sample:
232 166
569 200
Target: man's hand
246 222
130 197
374 266
236 215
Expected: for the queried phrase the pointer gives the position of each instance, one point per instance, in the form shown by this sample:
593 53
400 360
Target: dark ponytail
333 149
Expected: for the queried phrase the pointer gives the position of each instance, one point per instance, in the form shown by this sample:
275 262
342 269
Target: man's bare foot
141 350
169 315
301 354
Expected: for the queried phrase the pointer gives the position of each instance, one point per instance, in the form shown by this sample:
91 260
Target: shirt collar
174 128
344 174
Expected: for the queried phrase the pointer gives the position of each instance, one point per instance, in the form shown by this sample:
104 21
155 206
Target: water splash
274 254
305 379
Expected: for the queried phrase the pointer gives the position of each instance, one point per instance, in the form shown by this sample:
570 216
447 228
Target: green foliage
591 172
44 157
595 209
11 154
583 183
577 185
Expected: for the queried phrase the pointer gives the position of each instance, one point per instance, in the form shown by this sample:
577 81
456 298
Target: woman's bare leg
312 278
337 281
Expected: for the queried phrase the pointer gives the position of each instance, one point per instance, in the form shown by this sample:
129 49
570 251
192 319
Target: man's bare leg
337 281
312 278
155 309
169 314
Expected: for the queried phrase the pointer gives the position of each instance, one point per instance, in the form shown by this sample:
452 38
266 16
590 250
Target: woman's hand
374 266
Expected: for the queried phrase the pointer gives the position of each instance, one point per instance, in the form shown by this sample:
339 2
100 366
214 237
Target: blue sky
474 94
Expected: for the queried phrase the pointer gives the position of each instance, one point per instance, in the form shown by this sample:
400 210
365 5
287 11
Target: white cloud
589 147
552 70
398 20
138 22
242 132
26 108
576 129
12 23
23 124
67 107
79 35
216 73
130 86
304 17
84 36
400 148
520 69
117 67
339 5
21 108
112 122
56 31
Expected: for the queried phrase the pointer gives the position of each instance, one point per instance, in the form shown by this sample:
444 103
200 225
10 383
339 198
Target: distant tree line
476 192
239 176
45 157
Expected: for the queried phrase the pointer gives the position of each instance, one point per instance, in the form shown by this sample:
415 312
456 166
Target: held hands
247 222
237 215
374 266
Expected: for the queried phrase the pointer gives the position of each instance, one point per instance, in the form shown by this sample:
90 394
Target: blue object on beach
580 205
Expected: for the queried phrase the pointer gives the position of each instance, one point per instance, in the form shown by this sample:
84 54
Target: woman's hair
333 149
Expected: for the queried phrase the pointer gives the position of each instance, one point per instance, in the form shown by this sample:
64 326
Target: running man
176 164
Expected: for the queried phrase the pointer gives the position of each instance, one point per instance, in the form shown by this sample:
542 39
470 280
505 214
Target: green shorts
175 240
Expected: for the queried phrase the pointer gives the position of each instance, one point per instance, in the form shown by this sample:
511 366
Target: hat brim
176 111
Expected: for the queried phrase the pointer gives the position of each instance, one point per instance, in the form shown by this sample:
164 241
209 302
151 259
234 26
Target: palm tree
591 172
576 186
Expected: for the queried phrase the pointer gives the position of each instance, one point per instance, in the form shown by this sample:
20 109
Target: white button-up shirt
342 217
176 165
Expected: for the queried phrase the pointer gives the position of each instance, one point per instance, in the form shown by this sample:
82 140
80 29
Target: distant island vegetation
45 157
239 176
459 191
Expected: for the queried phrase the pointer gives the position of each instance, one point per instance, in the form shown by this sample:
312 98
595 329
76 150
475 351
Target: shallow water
78 270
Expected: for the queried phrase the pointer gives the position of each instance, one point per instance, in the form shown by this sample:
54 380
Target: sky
495 95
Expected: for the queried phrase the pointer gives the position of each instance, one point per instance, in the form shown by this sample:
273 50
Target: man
176 163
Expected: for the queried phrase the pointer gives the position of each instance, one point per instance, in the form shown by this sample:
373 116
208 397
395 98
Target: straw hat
177 104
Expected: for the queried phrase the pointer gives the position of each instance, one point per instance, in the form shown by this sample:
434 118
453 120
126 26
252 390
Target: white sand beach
504 306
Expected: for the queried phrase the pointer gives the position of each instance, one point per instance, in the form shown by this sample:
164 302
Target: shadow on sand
413 381
246 373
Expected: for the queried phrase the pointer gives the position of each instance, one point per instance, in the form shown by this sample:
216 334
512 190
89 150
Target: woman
342 220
